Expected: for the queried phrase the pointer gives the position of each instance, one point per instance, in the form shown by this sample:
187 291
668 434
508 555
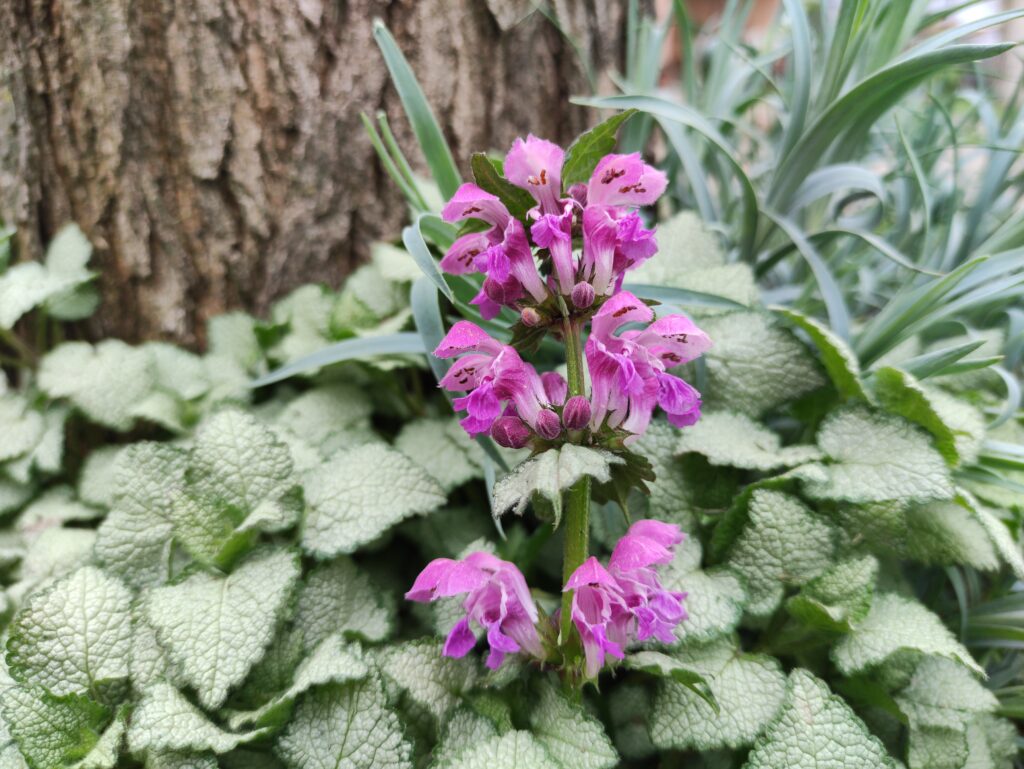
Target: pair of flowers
628 374
611 607
603 210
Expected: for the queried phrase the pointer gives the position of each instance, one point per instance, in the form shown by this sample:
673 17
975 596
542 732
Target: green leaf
330 662
51 731
360 494
816 730
215 628
670 496
430 679
134 541
29 284
237 462
421 117
958 427
715 598
589 147
691 259
465 729
897 624
233 336
665 666
105 753
74 636
839 360
442 448
406 342
337 597
165 721
783 544
572 737
754 366
944 694
550 473
416 245
735 440
876 457
749 689
22 427
106 382
515 750
839 598
488 178
329 418
371 737
97 481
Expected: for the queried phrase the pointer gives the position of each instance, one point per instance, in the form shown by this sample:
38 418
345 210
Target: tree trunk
212 149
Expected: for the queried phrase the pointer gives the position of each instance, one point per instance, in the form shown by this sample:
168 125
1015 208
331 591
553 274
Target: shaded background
213 152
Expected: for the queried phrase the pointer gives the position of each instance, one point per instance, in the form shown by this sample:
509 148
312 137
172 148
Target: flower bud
576 414
530 317
583 295
548 425
555 387
510 432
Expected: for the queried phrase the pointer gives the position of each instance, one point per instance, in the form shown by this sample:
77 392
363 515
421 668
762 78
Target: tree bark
212 149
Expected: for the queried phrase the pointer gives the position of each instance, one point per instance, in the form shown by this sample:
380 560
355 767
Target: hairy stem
577 509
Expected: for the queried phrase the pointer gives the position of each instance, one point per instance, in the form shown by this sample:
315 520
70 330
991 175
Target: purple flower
498 601
471 202
536 166
657 611
626 602
628 371
554 232
494 375
600 614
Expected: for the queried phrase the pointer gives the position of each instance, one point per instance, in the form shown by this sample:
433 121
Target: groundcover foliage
198 573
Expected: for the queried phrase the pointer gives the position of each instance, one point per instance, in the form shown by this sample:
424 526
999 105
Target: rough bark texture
212 149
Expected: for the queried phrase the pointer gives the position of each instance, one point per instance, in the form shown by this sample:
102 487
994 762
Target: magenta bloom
600 614
536 166
628 371
495 377
625 180
626 602
502 253
498 601
657 611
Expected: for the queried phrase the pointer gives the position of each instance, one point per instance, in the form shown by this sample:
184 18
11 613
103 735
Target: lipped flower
626 602
497 600
647 544
503 252
628 370
603 210
500 384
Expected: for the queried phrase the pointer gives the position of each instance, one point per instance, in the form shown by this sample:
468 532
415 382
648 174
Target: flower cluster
611 607
629 367
603 211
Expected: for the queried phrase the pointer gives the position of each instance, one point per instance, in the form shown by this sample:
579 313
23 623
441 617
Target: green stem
577 509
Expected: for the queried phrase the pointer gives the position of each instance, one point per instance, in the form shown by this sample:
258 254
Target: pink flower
497 600
657 611
536 166
471 202
600 614
553 231
494 375
628 371
625 180
625 603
